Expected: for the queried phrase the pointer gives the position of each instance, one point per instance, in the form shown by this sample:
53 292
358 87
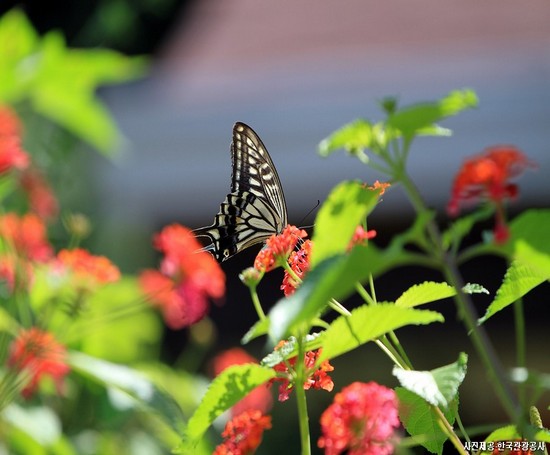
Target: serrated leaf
130 383
438 387
280 354
231 385
346 207
533 258
518 281
419 419
367 323
412 119
426 292
334 277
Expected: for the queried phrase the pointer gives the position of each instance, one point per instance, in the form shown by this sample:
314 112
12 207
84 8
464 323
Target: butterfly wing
255 209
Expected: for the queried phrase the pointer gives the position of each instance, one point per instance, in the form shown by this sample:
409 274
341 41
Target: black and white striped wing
255 209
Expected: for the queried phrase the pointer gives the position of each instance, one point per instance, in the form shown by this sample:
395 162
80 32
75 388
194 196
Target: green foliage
59 82
129 388
354 138
418 418
346 207
426 292
367 323
518 281
230 386
438 387
461 227
421 118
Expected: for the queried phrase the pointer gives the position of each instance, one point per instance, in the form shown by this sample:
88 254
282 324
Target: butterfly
255 209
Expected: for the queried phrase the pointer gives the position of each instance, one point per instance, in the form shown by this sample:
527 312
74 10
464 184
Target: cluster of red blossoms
488 176
39 354
317 378
361 421
243 434
186 280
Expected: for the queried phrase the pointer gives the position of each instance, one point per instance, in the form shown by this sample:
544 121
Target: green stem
448 430
299 382
519 321
466 308
256 302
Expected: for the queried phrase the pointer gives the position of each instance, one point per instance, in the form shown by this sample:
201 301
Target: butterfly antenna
308 214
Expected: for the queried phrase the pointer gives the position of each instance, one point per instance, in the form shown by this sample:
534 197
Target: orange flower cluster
299 262
38 353
487 176
243 434
278 248
186 280
86 270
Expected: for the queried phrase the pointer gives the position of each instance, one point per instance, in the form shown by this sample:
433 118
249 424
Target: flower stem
256 302
466 308
301 398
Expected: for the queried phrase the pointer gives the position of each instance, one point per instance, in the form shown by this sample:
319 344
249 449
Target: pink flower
361 421
186 280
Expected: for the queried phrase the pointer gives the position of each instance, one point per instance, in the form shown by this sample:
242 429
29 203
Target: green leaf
346 207
410 120
438 387
533 258
463 226
130 384
511 433
419 419
230 386
17 42
518 281
257 330
367 323
532 227
353 137
335 277
426 292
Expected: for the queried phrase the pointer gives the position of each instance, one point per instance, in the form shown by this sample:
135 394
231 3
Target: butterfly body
256 208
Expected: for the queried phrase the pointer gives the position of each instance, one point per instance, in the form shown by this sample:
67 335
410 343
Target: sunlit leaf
518 281
412 119
426 292
346 207
353 137
367 323
230 386
258 329
438 387
335 277
41 423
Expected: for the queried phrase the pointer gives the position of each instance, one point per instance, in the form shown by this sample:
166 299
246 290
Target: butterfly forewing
255 209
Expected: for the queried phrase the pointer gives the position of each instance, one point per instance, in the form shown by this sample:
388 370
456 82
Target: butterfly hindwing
255 209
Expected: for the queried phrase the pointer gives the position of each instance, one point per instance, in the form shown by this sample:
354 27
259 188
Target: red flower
186 280
39 354
27 236
278 248
299 262
11 154
361 421
360 236
487 176
42 200
259 398
317 378
86 269
243 434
